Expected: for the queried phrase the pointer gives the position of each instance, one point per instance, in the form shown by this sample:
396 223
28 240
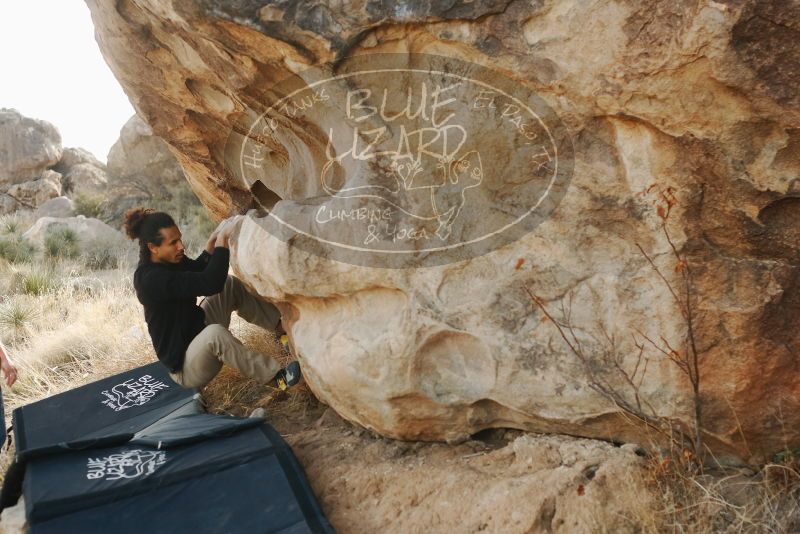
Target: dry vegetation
67 324
695 493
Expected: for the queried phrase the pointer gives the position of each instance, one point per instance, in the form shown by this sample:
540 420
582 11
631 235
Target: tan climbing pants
215 344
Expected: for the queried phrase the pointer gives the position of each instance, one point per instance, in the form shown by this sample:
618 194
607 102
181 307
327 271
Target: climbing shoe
288 376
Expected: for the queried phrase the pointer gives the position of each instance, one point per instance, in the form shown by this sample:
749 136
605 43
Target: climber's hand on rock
229 222
223 237
212 241
227 229
225 232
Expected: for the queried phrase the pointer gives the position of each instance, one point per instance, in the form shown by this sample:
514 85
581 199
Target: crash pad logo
402 160
132 392
129 464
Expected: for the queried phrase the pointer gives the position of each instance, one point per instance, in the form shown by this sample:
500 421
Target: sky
51 69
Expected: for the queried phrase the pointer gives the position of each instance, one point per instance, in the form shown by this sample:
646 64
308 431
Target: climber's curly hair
145 224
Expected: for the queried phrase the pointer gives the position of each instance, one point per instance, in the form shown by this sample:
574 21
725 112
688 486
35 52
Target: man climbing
194 341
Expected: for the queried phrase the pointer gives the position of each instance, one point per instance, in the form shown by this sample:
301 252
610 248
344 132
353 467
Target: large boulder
88 230
27 147
75 156
140 154
55 207
33 193
87 179
83 173
685 126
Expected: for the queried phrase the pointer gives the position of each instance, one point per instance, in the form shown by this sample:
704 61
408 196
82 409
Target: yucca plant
38 282
15 223
16 319
61 243
9 225
16 249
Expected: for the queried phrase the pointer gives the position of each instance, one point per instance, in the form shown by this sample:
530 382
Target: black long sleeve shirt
169 291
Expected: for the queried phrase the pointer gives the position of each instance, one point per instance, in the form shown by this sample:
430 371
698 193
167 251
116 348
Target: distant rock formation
33 193
85 178
76 156
83 172
140 154
35 169
27 147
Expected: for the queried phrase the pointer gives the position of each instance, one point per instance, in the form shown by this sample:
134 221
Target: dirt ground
503 481
500 481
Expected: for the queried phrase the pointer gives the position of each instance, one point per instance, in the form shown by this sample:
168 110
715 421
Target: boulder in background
55 207
88 230
27 147
75 156
85 178
33 193
141 154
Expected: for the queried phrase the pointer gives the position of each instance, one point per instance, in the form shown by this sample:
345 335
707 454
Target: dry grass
720 501
80 326
65 335
70 336
233 394
71 333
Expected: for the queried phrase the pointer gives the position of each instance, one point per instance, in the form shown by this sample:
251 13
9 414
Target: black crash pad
245 482
105 412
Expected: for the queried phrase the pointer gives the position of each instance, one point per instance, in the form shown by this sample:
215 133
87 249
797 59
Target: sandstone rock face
140 154
685 112
27 147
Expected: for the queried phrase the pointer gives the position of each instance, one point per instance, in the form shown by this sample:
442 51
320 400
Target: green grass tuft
91 206
16 249
38 282
61 243
16 319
